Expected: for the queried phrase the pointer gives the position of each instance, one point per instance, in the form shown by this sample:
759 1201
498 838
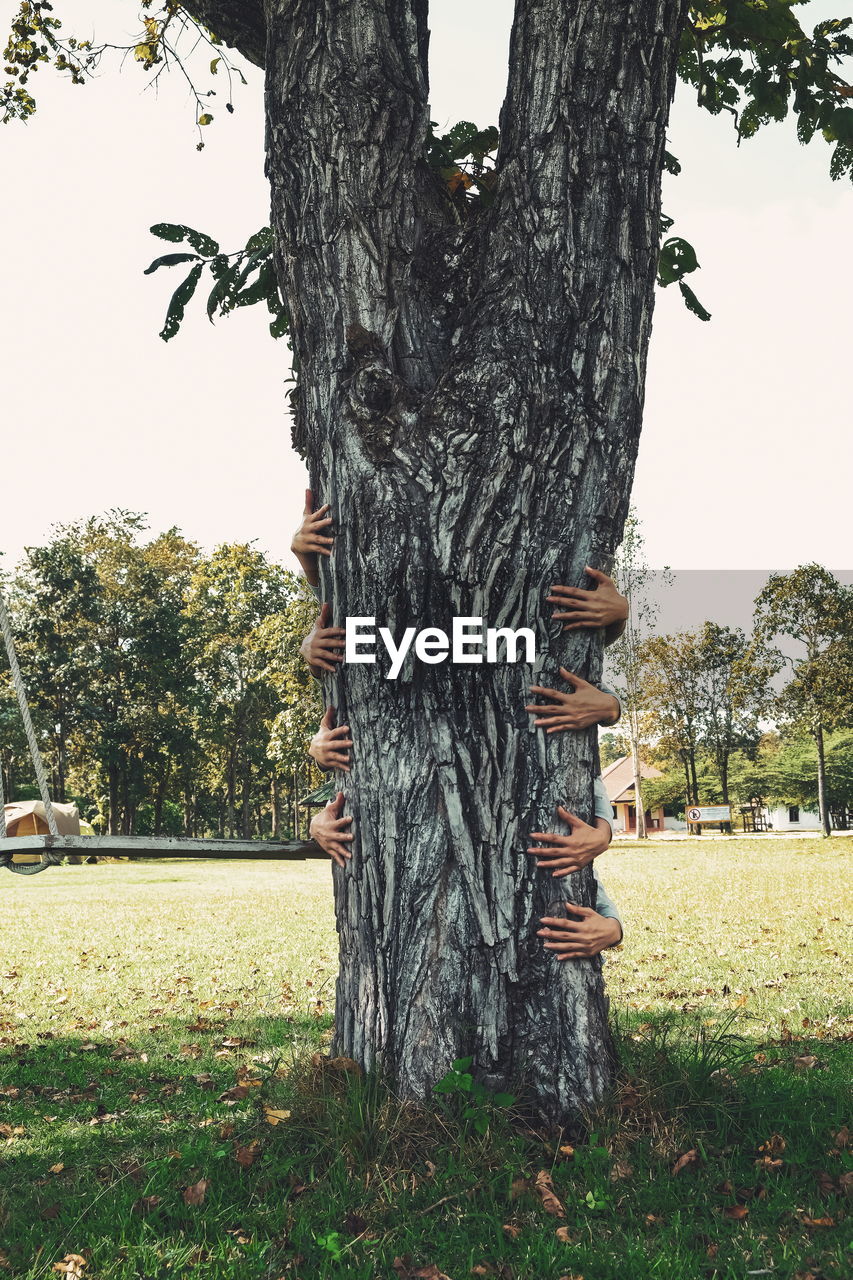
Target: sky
745 461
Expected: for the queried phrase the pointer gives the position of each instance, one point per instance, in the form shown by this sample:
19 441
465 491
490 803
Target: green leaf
205 119
214 66
170 260
692 302
462 1064
260 240
180 298
176 232
279 326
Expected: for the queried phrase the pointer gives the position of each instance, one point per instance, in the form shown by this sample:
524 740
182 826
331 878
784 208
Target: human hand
327 828
329 746
308 540
579 939
563 854
582 706
322 647
603 606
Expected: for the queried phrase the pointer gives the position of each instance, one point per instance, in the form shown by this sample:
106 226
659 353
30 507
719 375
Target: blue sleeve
602 807
605 688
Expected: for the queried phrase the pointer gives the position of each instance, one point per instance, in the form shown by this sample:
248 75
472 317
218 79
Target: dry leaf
567 1151
195 1194
621 1171
56 1168
511 1230
818 1222
235 1094
689 1158
430 1272
562 1234
774 1146
806 1062
842 1138
146 1204
71 1265
275 1117
736 1211
550 1202
519 1187
49 1212
246 1156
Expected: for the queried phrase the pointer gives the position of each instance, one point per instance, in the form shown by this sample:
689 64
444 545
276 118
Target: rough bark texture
469 400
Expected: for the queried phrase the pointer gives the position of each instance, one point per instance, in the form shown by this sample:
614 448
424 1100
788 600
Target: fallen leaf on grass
519 1187
272 1116
684 1161
5 1264
431 1272
71 1265
246 1156
10 1132
736 1211
49 1212
806 1062
550 1201
818 1222
511 1230
562 1234
842 1138
146 1204
774 1146
195 1194
56 1168
567 1151
236 1094
621 1171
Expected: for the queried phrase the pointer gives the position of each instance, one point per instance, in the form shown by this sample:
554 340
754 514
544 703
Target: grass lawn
160 1115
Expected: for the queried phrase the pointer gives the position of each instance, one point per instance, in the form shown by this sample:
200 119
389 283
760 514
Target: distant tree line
170 696
165 683
730 716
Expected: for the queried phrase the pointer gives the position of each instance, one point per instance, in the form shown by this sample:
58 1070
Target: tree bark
469 400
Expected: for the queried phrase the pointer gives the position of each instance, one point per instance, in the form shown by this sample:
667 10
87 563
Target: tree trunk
640 832
159 797
232 792
469 400
113 788
275 807
822 807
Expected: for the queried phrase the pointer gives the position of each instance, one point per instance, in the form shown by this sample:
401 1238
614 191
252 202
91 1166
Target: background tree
472 373
626 658
811 608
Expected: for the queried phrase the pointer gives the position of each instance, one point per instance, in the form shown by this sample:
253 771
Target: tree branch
238 23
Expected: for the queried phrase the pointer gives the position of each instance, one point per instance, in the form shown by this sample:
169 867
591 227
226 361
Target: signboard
709 813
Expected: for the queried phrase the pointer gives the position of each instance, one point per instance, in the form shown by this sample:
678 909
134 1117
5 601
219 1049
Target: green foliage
166 685
677 259
475 1103
753 59
810 607
240 279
